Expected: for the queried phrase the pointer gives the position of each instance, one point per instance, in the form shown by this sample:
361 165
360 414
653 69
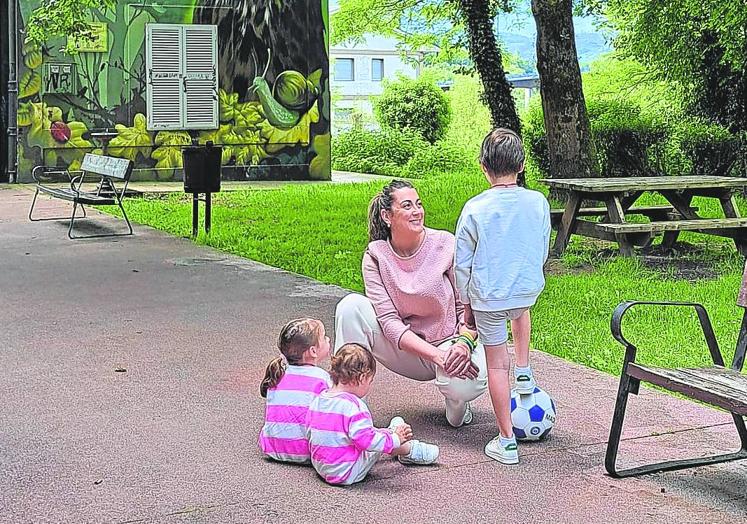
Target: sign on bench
106 166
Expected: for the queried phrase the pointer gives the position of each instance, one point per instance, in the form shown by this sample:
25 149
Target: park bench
109 171
717 385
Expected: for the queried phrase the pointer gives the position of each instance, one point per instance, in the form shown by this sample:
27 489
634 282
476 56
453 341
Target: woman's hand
404 432
458 362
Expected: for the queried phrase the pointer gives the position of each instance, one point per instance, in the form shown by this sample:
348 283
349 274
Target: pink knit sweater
415 292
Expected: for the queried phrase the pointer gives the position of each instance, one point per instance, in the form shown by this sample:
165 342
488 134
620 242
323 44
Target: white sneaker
507 455
396 421
524 384
420 454
466 418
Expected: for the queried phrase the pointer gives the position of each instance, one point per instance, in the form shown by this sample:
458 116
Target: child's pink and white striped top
283 437
340 432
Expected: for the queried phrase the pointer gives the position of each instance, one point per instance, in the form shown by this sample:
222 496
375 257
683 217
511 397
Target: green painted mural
268 81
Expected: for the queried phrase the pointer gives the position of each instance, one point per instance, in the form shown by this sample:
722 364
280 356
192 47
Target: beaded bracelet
467 340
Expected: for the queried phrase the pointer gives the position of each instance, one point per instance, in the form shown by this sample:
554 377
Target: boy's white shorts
491 325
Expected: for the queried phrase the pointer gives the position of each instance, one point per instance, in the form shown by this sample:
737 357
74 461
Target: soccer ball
532 415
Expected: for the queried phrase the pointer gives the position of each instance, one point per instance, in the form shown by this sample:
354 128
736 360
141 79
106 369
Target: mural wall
273 96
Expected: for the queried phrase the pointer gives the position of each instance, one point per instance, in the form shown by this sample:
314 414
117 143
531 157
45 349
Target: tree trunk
486 55
569 142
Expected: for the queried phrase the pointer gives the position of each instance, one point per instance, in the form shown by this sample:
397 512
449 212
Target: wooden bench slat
715 385
600 211
674 225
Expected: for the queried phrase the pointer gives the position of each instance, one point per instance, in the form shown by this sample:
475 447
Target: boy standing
502 242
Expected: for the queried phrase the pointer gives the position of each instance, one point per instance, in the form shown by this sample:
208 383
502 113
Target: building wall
353 99
258 39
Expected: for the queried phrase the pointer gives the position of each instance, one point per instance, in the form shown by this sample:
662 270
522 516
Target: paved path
150 187
173 438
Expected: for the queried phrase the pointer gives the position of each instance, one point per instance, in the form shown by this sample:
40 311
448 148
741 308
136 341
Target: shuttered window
182 75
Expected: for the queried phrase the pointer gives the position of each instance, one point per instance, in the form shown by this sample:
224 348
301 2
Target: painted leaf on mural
227 103
67 145
249 114
30 83
32 57
278 139
132 140
216 137
168 154
247 146
320 164
25 114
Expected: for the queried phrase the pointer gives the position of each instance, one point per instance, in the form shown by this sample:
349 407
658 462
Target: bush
417 105
627 142
699 148
383 152
438 159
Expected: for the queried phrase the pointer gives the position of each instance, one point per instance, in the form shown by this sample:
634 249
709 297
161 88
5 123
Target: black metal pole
195 213
207 212
12 95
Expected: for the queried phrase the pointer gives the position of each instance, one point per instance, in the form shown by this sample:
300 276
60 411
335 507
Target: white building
357 72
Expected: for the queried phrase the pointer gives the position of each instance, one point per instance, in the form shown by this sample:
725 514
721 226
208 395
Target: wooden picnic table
619 196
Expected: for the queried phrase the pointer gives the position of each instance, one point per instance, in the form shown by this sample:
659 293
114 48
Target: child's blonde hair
351 364
296 337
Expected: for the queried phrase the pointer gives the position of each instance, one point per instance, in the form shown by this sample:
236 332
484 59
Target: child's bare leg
521 329
500 387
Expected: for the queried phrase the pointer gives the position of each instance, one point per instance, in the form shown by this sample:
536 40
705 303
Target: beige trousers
355 321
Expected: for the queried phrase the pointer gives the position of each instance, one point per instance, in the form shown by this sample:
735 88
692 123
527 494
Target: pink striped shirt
283 437
340 431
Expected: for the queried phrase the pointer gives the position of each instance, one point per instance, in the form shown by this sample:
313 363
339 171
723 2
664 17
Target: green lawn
320 231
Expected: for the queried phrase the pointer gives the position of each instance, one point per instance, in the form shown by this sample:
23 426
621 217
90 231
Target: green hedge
631 142
627 142
383 152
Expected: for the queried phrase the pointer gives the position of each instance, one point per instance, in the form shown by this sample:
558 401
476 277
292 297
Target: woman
411 315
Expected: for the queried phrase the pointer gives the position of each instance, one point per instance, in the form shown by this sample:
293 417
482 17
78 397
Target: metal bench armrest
39 171
705 325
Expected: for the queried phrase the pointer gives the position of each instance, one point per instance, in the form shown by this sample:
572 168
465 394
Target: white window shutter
164 76
200 77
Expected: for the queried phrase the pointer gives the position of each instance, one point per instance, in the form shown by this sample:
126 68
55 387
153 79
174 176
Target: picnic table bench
620 194
717 385
108 170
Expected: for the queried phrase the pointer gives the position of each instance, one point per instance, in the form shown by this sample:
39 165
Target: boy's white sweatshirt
502 242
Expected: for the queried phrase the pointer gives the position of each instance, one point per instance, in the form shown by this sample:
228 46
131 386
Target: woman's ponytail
274 372
377 228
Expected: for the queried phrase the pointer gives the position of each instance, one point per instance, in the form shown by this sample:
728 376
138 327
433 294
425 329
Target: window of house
182 76
377 69
344 69
344 114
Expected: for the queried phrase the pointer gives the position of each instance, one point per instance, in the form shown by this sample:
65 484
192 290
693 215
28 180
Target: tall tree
486 55
445 24
569 141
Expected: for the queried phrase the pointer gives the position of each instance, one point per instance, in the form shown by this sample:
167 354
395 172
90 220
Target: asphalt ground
129 373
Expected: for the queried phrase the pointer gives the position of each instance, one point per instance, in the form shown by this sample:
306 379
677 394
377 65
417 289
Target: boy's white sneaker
505 455
420 454
524 384
396 421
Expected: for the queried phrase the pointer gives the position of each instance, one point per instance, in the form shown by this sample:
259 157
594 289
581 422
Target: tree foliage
699 44
416 105
56 18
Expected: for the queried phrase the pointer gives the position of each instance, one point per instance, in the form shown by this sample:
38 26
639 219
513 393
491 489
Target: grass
320 231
